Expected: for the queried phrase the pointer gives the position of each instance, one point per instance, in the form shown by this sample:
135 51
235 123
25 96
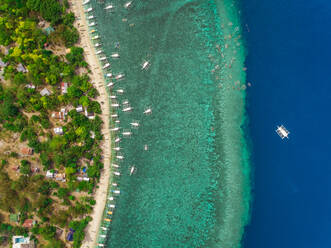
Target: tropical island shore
97 79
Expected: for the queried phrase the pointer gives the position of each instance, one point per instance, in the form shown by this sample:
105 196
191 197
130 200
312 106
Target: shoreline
97 79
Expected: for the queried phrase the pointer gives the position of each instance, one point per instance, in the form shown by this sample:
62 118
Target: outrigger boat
95 37
117 140
128 4
135 124
88 10
120 91
132 170
115 105
115 129
116 173
91 24
127 109
109 6
116 192
112 97
86 2
148 111
110 84
128 133
109 74
114 116
90 17
115 55
145 147
120 157
145 65
119 76
115 165
106 66
102 236
98 52
103 58
117 148
97 44
282 132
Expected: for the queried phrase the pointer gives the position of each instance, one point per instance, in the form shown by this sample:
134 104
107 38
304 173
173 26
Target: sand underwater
191 188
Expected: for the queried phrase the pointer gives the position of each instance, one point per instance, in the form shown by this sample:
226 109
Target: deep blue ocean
289 52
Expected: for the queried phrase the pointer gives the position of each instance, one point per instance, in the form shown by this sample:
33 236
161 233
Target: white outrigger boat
114 116
127 109
98 52
134 124
115 129
127 4
116 173
120 157
132 170
145 147
110 84
117 121
115 105
115 185
88 10
106 66
111 206
282 132
92 24
90 17
109 74
119 76
103 58
101 245
115 165
115 55
97 44
120 91
118 139
104 228
112 97
95 37
109 7
148 111
117 148
128 133
125 102
116 192
86 2
145 65
102 236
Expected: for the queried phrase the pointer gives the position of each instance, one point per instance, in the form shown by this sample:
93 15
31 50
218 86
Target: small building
30 86
48 30
2 64
21 68
22 242
60 177
79 109
87 179
89 115
28 223
58 115
14 218
92 134
27 151
64 88
58 130
49 174
45 92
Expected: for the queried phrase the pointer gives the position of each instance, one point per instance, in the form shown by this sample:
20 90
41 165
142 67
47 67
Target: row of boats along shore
111 80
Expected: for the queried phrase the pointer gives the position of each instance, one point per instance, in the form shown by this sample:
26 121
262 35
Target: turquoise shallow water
191 187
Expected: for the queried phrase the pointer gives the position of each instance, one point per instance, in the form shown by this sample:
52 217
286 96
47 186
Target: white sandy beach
100 194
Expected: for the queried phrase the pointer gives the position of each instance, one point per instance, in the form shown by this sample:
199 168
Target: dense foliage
28 113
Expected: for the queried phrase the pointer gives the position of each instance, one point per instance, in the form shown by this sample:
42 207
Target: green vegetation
62 200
